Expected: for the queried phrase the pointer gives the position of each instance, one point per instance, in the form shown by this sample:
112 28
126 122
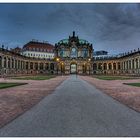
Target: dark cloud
112 27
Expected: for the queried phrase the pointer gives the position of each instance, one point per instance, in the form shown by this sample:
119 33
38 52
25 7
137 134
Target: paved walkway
76 108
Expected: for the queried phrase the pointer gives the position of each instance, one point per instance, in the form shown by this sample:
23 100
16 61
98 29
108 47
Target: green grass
133 84
113 77
35 77
7 85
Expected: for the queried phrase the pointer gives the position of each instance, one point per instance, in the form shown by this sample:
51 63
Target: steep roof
40 45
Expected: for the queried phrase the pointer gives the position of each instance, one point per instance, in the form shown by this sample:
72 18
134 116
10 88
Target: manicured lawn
113 77
133 84
7 85
42 77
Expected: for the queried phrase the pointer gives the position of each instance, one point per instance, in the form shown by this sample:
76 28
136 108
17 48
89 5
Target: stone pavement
126 94
76 108
16 100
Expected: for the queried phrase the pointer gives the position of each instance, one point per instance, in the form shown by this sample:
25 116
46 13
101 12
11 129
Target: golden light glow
57 59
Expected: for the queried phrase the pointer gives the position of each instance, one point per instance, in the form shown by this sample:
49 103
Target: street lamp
84 68
89 65
62 68
57 59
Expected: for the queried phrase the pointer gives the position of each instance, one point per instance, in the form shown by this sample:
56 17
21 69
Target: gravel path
76 108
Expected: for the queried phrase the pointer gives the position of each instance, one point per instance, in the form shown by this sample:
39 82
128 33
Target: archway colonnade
127 65
11 65
14 64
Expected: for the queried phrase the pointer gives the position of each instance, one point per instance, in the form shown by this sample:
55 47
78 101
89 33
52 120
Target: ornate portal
75 54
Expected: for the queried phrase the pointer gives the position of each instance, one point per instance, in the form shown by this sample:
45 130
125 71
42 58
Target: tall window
41 66
52 66
85 52
5 62
73 52
62 52
31 65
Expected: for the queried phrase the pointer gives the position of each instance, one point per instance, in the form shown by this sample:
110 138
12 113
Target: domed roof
64 41
81 41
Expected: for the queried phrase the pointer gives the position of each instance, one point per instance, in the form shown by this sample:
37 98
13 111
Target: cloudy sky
111 27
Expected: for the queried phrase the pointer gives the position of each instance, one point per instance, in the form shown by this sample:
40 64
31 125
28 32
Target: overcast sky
111 27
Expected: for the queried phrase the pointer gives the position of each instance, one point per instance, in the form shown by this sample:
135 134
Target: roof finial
73 33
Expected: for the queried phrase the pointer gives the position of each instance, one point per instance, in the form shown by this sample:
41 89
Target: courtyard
70 106
15 100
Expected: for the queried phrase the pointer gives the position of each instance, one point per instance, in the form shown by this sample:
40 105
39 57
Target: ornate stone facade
72 55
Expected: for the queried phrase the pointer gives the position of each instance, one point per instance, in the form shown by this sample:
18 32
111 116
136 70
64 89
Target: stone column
6 63
124 65
127 64
134 63
102 66
2 62
112 66
49 66
116 65
138 63
97 66
107 66
44 66
38 66
17 65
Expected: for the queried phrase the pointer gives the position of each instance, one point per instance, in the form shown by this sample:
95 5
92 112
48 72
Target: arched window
105 66
109 66
52 66
73 52
62 52
12 63
0 61
46 66
27 65
94 66
119 65
85 52
133 64
36 66
136 63
18 64
100 66
31 65
129 64
114 66
5 62
41 66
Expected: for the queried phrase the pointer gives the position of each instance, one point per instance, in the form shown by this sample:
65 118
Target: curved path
76 108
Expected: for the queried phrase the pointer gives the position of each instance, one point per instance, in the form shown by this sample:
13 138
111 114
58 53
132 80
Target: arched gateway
73 68
75 54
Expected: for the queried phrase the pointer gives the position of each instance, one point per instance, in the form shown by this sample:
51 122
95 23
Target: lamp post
89 65
62 64
57 59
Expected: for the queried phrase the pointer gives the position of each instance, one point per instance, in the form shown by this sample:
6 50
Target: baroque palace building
68 56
